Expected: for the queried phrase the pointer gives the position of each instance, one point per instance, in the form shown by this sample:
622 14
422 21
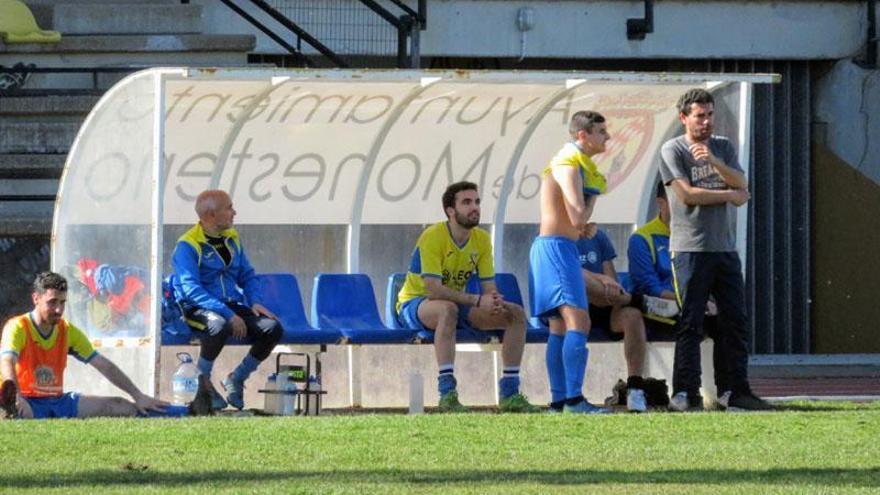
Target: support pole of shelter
156 227
745 153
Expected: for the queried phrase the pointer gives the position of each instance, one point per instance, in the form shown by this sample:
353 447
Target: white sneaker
636 401
667 308
679 402
723 400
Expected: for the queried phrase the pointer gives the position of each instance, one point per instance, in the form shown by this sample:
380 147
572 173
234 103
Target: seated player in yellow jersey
433 297
33 356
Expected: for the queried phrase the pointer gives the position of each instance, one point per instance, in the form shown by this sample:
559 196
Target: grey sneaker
584 407
636 401
235 392
748 402
679 402
682 402
658 306
723 400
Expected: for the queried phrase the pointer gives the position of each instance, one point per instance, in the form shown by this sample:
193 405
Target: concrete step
26 218
31 166
19 137
149 43
132 18
17 189
49 106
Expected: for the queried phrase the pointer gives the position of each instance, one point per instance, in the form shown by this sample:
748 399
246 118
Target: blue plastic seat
508 286
345 302
282 296
462 335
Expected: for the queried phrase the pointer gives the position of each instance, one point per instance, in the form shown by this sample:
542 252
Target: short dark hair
695 95
583 121
49 280
661 190
453 189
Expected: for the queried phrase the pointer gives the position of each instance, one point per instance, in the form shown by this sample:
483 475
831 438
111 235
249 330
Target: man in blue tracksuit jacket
220 294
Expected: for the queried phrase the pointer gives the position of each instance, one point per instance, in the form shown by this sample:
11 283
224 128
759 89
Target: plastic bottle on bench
185 381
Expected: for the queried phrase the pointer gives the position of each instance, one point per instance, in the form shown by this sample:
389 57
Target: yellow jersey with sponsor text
437 255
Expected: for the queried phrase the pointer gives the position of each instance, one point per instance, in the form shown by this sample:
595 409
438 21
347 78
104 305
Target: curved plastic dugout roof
347 148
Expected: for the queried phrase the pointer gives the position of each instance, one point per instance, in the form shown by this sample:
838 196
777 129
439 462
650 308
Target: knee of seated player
275 330
626 319
445 312
516 315
216 324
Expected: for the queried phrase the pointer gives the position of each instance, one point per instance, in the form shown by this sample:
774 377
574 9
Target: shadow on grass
141 475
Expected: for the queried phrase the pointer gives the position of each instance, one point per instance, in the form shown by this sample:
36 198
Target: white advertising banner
317 150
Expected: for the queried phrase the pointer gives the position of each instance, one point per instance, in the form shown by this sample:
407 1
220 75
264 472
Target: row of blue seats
344 311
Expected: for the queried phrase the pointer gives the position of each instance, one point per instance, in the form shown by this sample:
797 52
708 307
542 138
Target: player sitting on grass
33 356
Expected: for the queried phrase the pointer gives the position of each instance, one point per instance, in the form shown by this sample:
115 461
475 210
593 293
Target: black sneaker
202 404
8 397
747 402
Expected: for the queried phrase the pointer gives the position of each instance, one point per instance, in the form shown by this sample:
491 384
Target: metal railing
407 23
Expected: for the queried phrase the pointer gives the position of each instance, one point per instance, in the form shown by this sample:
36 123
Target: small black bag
656 392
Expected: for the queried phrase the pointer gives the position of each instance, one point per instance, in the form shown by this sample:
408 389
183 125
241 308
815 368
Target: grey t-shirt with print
709 228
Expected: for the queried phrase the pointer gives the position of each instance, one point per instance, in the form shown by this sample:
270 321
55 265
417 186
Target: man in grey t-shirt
705 184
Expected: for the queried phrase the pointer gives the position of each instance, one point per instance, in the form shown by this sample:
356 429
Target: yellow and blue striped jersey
437 255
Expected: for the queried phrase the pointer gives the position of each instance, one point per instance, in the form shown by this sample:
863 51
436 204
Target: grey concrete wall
384 372
577 29
846 108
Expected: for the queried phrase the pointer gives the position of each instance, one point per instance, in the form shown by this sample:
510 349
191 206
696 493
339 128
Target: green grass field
811 448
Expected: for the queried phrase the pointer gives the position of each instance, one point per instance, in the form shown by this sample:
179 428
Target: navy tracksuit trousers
697 276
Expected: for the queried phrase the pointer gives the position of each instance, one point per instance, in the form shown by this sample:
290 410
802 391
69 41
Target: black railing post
415 49
403 30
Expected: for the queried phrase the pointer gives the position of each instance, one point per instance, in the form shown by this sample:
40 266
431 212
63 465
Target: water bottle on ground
271 399
185 381
287 406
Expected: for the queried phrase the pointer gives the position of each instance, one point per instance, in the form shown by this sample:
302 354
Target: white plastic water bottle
314 385
185 381
416 393
287 406
271 399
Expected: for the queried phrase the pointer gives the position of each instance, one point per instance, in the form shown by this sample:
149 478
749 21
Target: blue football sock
556 367
171 411
245 368
205 366
574 353
509 383
446 380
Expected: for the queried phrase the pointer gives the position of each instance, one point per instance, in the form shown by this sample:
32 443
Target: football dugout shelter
338 171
